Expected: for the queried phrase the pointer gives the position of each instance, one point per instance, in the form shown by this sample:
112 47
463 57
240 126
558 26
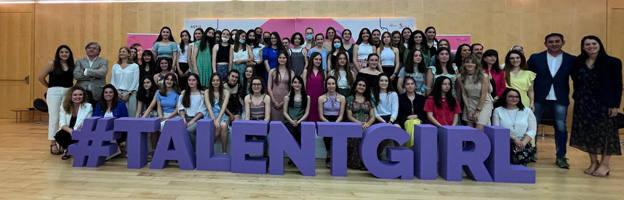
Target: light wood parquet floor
28 171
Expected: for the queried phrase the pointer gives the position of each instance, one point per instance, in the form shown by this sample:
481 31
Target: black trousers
64 139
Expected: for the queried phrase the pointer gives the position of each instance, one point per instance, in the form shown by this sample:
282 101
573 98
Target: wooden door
16 50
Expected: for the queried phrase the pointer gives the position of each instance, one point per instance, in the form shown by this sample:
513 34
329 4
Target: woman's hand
215 122
613 112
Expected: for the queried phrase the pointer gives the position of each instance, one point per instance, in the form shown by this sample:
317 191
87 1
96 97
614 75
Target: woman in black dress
597 94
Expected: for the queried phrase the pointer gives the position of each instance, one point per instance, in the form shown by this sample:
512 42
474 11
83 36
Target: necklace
513 123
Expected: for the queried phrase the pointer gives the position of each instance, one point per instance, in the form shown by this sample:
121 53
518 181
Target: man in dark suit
552 88
90 72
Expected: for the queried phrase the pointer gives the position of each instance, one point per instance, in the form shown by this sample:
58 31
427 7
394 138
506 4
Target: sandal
65 155
55 149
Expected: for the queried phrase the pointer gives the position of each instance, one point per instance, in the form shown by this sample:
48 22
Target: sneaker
562 163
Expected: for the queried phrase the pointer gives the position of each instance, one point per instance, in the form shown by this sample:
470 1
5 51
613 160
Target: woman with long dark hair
442 67
416 69
191 105
217 99
110 105
489 62
441 106
202 56
181 64
145 95
313 76
362 49
60 73
165 46
597 95
148 65
270 52
519 77
343 74
296 107
236 92
279 85
361 110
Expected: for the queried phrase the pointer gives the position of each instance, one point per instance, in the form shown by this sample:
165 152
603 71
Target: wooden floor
28 171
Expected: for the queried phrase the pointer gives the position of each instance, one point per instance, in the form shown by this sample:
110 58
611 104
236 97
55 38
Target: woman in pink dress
313 77
279 85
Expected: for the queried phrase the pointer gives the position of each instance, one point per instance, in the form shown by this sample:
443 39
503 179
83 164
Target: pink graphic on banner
456 40
145 39
286 27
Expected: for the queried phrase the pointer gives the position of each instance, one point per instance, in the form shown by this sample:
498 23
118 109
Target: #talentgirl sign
447 151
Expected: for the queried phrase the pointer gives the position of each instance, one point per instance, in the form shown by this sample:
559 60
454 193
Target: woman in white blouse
74 111
191 106
125 78
512 114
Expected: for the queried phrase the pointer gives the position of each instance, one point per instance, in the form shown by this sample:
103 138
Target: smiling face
164 64
93 50
383 82
319 40
465 51
444 44
77 96
512 99
285 43
468 65
431 33
346 35
591 47
123 53
233 78
192 82
490 60
256 86
554 43
108 94
215 82
515 60
64 54
296 85
197 34
331 85
282 59
373 61
444 56
360 87
331 33
248 72
406 34
317 61
410 86
147 84
166 33
342 60
185 37
418 38
417 57
169 81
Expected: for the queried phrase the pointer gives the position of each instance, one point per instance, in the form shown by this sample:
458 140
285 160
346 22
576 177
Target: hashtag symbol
94 142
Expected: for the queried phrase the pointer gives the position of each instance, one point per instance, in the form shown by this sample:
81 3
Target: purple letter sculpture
206 157
453 157
498 163
339 132
401 158
174 144
94 142
425 152
282 142
138 130
256 163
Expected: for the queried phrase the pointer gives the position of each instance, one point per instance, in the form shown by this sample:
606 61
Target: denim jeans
560 113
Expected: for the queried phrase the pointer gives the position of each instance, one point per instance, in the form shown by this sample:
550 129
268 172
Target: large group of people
400 78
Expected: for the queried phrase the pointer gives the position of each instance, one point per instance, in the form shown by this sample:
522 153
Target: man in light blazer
90 72
552 89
